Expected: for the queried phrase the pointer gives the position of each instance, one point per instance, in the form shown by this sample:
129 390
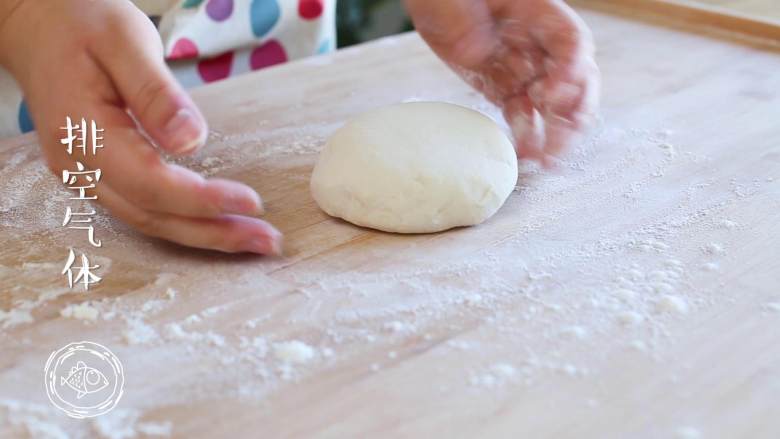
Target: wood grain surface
632 292
703 15
761 8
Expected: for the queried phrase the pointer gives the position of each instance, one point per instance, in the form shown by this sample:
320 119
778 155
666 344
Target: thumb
165 111
150 91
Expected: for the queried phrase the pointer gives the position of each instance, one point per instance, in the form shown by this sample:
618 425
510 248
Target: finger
503 80
555 98
515 32
150 91
525 122
525 65
459 31
479 81
568 44
130 164
558 104
590 102
168 188
560 131
575 102
227 233
561 33
140 175
505 74
147 180
558 135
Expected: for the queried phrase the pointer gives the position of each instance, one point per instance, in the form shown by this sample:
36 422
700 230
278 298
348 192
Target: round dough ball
416 167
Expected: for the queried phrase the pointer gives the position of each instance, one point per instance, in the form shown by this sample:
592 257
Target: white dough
416 167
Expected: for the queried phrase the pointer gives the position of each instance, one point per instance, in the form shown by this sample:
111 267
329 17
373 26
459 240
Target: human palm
532 58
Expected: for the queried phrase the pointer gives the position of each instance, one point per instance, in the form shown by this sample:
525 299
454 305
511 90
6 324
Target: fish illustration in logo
84 379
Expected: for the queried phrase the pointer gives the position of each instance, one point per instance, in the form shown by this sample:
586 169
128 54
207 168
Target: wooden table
762 8
635 292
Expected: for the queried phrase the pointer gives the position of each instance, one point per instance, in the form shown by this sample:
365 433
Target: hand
532 58
103 61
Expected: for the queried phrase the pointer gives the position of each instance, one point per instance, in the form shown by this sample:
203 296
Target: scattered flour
711 266
504 370
124 424
259 345
630 318
498 374
398 327
139 332
474 299
669 149
672 304
714 248
687 433
327 352
32 420
293 352
638 274
728 224
192 319
27 419
576 332
14 317
82 311
626 295
460 345
773 306
174 331
639 345
570 369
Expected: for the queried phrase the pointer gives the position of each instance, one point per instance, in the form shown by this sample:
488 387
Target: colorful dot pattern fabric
211 40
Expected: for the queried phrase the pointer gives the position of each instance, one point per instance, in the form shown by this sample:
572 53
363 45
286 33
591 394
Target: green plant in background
362 20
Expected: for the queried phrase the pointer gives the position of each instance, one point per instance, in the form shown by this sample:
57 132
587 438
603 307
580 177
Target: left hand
532 58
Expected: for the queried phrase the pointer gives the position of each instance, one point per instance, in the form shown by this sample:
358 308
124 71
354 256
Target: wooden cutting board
634 292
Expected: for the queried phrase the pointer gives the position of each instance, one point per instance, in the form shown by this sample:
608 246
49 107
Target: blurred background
765 9
363 20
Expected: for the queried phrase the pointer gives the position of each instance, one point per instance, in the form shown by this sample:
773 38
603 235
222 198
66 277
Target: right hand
102 61
532 58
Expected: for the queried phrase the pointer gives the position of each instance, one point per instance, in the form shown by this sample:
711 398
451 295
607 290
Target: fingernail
186 131
277 244
271 245
238 203
256 245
